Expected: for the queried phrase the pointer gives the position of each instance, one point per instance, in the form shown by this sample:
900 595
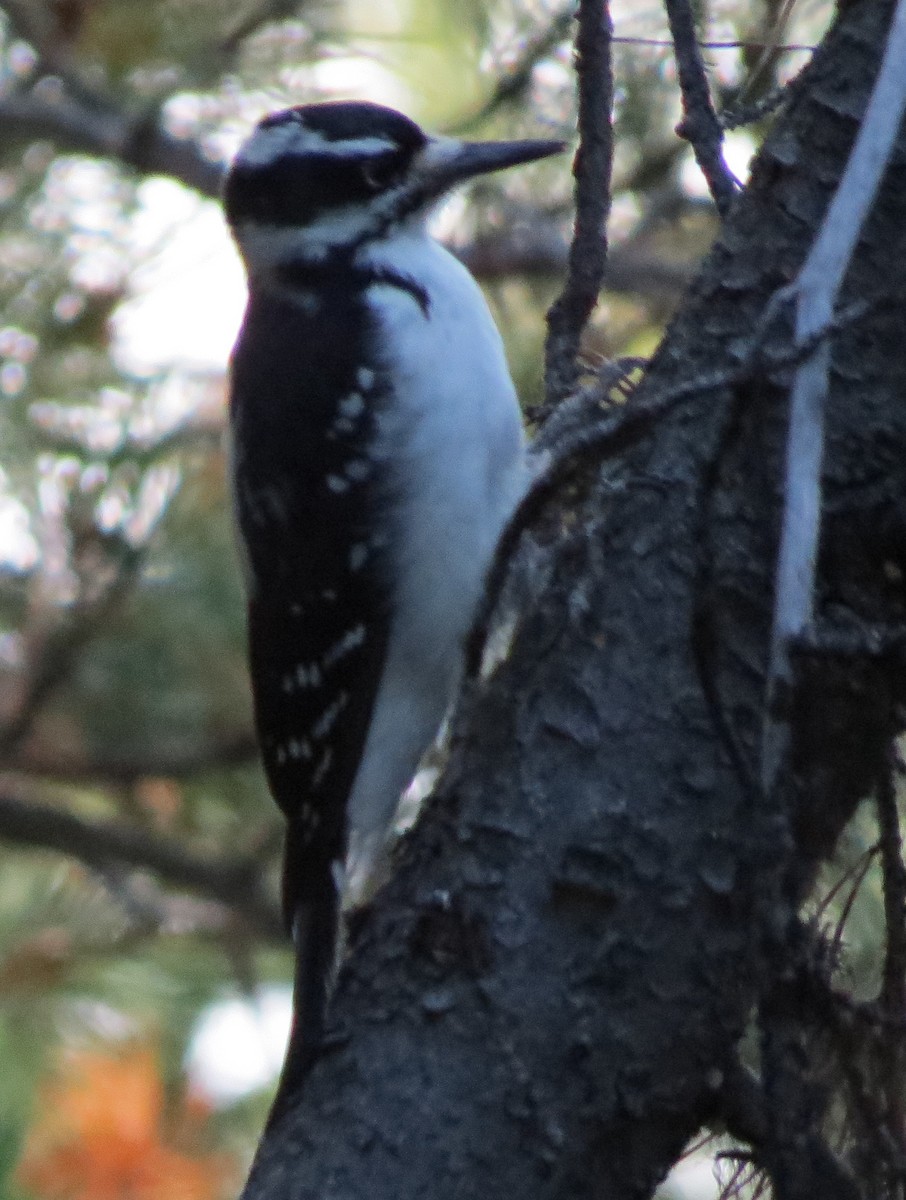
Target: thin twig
857 878
854 872
816 289
740 115
778 14
569 313
732 44
700 125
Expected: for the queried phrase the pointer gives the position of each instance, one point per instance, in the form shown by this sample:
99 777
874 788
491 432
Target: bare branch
169 762
816 289
537 249
569 313
699 126
107 132
732 44
234 882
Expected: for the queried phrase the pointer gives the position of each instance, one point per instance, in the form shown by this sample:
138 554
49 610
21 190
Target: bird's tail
315 928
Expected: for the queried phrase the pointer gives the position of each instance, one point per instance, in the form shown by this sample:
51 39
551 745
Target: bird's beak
445 162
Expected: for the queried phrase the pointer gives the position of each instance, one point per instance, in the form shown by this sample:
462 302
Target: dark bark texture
547 998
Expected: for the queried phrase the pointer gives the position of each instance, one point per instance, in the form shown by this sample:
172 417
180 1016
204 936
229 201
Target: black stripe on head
346 120
315 158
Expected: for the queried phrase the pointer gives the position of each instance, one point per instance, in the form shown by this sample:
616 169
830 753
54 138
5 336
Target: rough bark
546 999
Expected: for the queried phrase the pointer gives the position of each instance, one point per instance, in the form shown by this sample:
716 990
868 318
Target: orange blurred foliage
100 1135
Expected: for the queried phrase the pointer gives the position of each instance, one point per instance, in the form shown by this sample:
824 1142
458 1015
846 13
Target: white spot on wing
306 300
322 768
336 484
358 556
328 717
351 406
357 469
310 817
308 676
348 642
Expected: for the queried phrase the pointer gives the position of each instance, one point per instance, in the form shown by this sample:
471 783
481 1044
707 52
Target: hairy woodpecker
377 451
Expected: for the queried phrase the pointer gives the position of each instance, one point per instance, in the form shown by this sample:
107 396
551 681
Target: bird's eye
379 172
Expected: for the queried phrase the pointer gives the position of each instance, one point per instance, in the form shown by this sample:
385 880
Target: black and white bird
377 451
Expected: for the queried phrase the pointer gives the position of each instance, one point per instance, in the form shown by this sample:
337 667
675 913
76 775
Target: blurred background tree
140 847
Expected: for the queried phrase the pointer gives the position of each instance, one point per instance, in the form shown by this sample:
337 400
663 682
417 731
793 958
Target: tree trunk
547 998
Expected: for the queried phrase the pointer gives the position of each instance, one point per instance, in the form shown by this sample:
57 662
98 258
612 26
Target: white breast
454 447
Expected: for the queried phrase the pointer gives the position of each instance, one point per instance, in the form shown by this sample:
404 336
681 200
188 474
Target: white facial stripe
264 247
266 146
346 148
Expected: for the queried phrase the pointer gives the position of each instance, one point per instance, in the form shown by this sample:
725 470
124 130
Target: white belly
456 445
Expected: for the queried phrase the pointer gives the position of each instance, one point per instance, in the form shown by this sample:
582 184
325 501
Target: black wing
303 411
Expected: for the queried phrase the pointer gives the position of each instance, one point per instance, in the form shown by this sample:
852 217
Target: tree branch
101 130
699 126
235 882
537 249
542 1000
569 314
166 761
816 290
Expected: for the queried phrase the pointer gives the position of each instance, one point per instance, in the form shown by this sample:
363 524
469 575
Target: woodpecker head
326 178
